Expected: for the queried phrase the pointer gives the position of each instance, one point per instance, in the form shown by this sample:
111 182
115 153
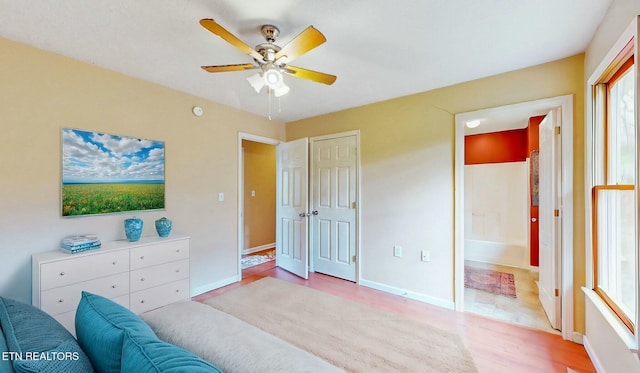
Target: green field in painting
84 199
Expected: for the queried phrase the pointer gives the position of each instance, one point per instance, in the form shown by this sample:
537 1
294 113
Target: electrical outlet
426 255
397 251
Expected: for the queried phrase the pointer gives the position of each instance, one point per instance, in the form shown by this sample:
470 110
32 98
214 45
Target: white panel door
292 206
549 219
333 201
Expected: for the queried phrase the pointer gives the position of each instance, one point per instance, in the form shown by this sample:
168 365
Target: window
613 197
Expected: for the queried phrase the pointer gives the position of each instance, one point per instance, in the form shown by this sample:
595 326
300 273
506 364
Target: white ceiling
379 49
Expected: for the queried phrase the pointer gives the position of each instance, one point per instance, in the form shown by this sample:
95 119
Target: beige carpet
350 335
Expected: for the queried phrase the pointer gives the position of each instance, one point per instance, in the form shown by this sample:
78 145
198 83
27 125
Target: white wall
496 207
608 351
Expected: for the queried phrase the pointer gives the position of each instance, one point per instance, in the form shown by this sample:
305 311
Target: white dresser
141 276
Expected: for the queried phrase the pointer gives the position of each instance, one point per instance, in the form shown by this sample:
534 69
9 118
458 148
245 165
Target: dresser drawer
68 319
145 256
66 298
159 296
148 277
74 270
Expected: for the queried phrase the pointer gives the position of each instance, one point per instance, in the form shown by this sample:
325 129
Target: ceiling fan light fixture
281 91
273 78
256 81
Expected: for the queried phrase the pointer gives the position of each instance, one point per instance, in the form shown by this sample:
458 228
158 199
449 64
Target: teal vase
163 227
133 228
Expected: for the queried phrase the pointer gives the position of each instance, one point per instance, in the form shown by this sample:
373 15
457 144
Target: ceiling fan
271 59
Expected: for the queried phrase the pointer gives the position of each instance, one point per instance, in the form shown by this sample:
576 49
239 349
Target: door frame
355 133
254 138
565 103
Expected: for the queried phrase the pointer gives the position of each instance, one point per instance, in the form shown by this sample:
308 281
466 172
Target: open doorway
501 220
257 209
486 221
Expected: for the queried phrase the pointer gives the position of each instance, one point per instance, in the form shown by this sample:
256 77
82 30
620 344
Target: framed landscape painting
103 173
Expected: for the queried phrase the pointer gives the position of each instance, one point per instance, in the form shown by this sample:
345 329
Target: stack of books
76 244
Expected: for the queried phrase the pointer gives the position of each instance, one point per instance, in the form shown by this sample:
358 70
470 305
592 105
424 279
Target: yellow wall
407 165
407 156
42 92
259 209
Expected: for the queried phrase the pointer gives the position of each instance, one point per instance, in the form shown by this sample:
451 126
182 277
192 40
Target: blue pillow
144 354
5 363
41 344
100 327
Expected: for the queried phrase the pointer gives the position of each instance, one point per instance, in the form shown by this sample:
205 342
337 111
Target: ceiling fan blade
215 28
301 44
315 76
223 68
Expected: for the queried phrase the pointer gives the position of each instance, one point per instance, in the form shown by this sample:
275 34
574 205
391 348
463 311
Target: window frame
623 63
626 320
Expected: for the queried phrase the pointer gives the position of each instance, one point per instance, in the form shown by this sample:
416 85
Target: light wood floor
525 309
495 346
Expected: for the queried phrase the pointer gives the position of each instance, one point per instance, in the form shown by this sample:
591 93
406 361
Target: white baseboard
506 254
409 294
594 358
214 285
578 338
258 248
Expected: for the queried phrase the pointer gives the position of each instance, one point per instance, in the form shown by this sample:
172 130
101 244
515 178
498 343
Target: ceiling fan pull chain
269 94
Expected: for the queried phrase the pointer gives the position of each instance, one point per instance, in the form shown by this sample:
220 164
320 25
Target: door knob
314 212
302 214
533 220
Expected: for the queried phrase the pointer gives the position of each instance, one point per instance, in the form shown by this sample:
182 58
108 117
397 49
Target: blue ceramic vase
133 228
163 227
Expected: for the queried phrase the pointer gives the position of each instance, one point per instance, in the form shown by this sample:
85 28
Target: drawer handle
177 271
114 263
60 300
142 279
142 257
113 286
61 273
177 290
178 250
142 301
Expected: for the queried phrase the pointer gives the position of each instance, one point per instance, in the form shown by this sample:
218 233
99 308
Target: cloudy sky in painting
92 157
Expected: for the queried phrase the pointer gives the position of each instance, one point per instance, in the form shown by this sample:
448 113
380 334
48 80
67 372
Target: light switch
220 196
397 251
253 193
426 256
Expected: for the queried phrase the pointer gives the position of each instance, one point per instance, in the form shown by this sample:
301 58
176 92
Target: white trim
544 105
617 326
592 356
632 31
214 285
408 294
252 250
255 138
616 48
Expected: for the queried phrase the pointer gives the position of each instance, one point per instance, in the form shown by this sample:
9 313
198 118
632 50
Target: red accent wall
496 147
533 144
